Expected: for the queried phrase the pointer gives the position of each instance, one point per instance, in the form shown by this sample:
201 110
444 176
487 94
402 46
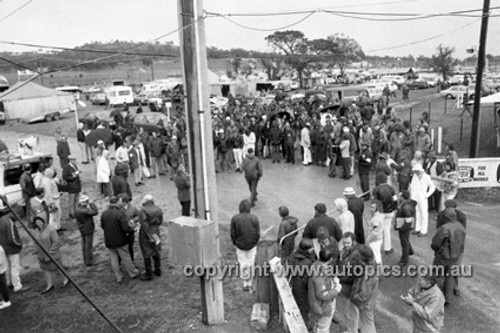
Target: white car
455 91
398 80
382 83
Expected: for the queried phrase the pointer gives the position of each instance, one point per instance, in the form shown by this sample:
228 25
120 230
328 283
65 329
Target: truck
11 169
117 95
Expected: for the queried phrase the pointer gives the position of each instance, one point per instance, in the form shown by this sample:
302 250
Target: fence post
429 113
411 113
440 139
445 105
461 127
432 137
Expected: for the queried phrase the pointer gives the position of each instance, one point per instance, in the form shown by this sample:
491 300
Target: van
118 95
11 169
347 93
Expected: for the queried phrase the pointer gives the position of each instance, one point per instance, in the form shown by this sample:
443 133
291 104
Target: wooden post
429 113
199 135
411 115
266 288
445 105
461 127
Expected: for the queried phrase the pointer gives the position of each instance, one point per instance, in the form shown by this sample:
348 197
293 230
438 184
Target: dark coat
120 185
72 179
63 149
9 236
116 227
386 194
183 184
348 258
85 218
27 185
441 219
356 206
156 147
300 284
252 167
287 225
326 221
150 218
245 229
449 241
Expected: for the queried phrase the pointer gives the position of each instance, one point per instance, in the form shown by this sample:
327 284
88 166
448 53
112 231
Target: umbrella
99 134
115 112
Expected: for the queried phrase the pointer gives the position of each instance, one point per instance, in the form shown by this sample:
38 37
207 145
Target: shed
31 101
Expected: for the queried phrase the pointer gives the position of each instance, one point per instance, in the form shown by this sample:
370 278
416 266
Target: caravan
117 95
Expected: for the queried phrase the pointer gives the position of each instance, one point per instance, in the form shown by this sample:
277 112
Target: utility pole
40 70
476 116
199 134
152 69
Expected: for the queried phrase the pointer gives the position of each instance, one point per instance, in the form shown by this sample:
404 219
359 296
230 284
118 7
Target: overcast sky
71 23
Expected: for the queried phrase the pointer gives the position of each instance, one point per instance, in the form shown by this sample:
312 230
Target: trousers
121 253
246 260
87 245
238 157
387 230
13 268
321 324
186 208
252 185
4 291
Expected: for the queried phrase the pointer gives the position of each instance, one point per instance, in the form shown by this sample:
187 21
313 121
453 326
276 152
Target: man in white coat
421 188
305 142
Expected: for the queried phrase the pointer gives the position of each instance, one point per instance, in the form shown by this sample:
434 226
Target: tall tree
273 67
345 51
442 61
294 45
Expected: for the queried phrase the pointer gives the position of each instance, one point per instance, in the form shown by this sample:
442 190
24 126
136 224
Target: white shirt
421 187
122 155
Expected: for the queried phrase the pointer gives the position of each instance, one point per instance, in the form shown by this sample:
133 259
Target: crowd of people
341 137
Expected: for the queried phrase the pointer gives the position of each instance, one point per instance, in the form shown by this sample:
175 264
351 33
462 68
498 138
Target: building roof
29 90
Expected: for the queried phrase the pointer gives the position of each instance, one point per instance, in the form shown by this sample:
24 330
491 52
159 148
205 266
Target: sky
71 23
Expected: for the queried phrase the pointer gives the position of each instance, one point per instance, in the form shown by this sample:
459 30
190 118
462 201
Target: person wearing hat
137 161
84 213
424 143
356 207
421 188
71 175
150 219
448 244
305 142
434 168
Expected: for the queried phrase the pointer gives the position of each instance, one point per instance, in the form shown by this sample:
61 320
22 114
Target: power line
271 29
15 11
425 39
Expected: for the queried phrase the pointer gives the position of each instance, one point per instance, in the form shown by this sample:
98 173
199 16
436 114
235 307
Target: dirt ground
171 303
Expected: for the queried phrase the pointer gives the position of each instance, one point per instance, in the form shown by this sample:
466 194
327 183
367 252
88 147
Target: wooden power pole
481 56
199 134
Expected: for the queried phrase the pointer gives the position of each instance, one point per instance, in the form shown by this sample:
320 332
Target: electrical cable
15 11
272 29
425 39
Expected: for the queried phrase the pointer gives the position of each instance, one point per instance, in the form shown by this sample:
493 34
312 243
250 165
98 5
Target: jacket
364 290
300 283
252 167
27 185
245 229
348 258
321 291
63 149
323 221
49 239
442 219
155 147
103 170
120 185
72 178
287 225
9 236
428 309
449 241
276 136
183 184
85 218
365 162
408 212
115 227
387 195
150 218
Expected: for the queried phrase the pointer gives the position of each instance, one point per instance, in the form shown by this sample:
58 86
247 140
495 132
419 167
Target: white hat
82 198
417 167
147 198
100 142
349 191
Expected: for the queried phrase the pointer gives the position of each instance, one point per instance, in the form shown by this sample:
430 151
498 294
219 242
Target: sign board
479 172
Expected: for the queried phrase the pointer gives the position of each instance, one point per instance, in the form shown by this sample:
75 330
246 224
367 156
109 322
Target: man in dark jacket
302 259
448 244
356 206
245 234
405 222
287 225
183 184
222 144
253 172
156 149
322 220
12 245
116 230
289 138
364 167
450 205
386 194
63 150
71 175
276 138
85 212
28 190
150 218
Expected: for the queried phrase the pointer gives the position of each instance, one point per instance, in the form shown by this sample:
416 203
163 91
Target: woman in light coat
104 173
376 229
346 218
52 196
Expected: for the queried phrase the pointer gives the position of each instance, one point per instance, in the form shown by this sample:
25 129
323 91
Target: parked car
98 98
383 82
141 98
459 90
417 84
